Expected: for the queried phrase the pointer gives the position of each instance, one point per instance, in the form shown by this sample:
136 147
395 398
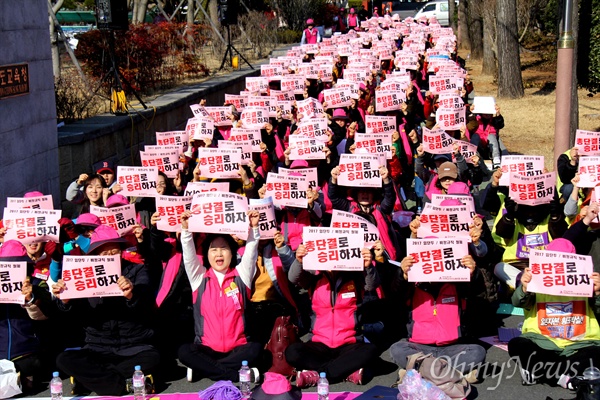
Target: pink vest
219 312
292 227
311 36
335 324
383 225
435 321
484 132
352 21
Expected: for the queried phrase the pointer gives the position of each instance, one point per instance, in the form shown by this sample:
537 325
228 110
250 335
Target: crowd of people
210 300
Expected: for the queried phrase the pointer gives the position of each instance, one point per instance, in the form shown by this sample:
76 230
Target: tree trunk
190 14
464 39
213 11
574 94
475 29
141 11
489 66
510 81
54 41
451 15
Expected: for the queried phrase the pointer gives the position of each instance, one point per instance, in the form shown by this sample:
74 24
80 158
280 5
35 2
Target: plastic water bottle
139 384
323 387
591 373
419 210
56 387
245 380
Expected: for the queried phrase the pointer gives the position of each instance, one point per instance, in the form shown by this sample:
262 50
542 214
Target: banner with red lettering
219 212
346 220
166 161
388 100
350 85
220 115
394 85
314 128
253 117
532 190
287 191
29 225
259 84
359 170
239 101
282 95
249 135
309 173
309 108
589 171
200 128
367 143
439 85
438 260
269 102
219 163
466 199
173 138
36 203
268 70
244 147
380 124
356 75
468 150
121 219
522 165
199 111
170 209
91 276
407 60
450 119
560 274
267 222
305 148
137 181
451 102
12 276
445 221
332 249
201 187
293 83
437 142
336 98
587 142
307 69
325 72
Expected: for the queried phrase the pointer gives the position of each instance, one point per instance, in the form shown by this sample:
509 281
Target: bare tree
56 6
464 38
139 11
510 81
475 28
451 14
489 66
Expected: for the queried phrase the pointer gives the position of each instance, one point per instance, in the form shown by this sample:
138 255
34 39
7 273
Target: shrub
288 36
73 101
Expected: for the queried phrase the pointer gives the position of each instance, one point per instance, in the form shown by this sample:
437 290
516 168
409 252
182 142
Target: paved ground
501 381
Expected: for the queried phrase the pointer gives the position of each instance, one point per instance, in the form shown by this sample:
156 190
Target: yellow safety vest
523 240
563 320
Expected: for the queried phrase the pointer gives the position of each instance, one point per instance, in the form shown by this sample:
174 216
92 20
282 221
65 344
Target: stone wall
29 159
120 138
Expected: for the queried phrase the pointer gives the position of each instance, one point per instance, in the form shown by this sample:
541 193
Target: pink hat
33 194
276 387
451 202
12 248
310 21
362 86
458 188
352 11
299 164
116 200
88 219
105 234
562 245
339 113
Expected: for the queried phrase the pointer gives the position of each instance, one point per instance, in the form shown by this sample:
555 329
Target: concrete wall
29 153
120 138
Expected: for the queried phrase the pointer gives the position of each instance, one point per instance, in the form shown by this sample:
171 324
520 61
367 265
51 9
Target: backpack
439 372
283 334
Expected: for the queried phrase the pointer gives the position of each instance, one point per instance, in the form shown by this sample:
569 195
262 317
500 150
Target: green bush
288 36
